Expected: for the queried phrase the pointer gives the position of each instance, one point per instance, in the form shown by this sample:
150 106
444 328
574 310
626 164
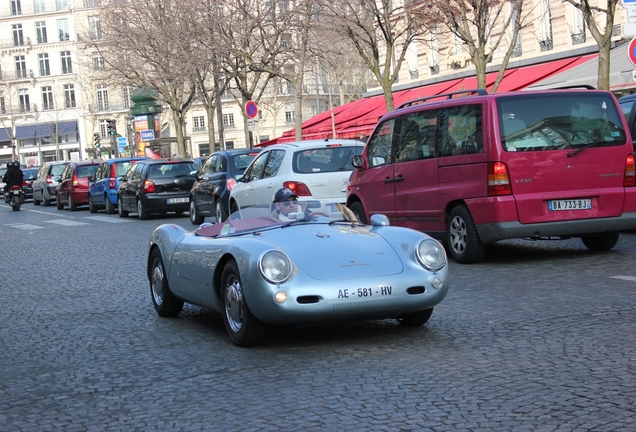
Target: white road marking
108 219
626 278
65 222
24 226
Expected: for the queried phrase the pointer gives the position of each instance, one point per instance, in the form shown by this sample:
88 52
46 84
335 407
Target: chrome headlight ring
431 254
275 267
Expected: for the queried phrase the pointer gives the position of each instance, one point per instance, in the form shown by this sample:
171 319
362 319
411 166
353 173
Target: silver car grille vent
416 290
364 307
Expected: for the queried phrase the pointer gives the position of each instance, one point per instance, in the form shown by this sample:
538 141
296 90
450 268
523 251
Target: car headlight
431 254
275 267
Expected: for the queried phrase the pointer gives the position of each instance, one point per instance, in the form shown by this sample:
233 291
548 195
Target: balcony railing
29 8
16 75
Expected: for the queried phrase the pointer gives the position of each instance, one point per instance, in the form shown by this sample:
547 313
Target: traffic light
112 127
96 139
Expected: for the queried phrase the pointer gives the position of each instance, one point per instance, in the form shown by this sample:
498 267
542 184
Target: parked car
30 174
156 186
102 189
481 168
627 104
199 161
45 185
72 189
3 171
210 194
274 278
314 170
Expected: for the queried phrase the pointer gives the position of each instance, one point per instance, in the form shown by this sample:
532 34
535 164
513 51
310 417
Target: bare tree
481 26
600 22
380 32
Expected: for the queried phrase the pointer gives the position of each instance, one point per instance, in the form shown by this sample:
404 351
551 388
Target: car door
127 188
243 192
205 188
37 184
265 187
64 184
97 187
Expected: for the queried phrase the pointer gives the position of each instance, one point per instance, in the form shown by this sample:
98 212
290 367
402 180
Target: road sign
147 135
252 125
631 51
251 109
122 141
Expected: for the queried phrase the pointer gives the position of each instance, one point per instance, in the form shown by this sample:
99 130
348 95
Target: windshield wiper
587 146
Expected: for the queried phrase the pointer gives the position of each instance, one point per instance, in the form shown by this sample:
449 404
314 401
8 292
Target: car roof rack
583 86
479 91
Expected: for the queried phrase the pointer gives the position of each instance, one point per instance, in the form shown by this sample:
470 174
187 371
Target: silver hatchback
46 182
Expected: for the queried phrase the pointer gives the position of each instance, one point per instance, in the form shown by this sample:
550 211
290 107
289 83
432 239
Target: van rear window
539 122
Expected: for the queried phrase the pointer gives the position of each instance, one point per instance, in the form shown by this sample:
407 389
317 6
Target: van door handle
399 179
388 180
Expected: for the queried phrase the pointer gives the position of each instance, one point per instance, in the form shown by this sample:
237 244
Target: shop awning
5 134
67 127
358 118
25 132
47 130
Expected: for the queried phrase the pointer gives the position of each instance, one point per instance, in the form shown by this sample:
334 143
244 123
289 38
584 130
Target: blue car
102 192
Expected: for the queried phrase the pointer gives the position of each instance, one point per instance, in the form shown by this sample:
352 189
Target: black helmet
16 164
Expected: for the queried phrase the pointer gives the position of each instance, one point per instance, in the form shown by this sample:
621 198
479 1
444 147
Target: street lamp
132 146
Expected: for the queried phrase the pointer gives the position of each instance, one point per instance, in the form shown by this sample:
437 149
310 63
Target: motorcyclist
13 176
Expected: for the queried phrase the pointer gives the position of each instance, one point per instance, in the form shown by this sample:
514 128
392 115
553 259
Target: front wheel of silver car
165 303
601 242
462 238
416 318
195 217
243 327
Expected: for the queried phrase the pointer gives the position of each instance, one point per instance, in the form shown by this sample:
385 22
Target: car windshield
172 170
86 171
30 174
560 121
325 159
257 218
57 170
240 161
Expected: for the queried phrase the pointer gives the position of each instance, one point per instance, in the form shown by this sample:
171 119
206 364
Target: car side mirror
56 178
91 179
240 178
356 161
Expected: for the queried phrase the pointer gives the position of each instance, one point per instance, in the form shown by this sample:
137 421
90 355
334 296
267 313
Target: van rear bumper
492 232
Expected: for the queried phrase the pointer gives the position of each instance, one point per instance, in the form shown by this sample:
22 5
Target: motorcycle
15 196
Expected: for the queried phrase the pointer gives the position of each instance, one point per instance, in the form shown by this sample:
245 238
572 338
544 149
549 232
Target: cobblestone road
538 337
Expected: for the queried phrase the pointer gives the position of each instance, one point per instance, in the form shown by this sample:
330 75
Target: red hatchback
72 189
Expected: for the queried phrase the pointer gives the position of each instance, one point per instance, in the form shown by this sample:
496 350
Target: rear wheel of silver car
462 238
141 212
358 210
601 242
110 208
35 201
72 205
416 318
243 327
165 303
195 217
120 209
91 205
219 212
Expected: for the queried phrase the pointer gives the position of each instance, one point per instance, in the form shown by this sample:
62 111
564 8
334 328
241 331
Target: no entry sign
251 109
631 51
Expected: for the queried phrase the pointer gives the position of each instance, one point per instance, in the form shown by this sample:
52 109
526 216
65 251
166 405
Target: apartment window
545 26
43 61
38 6
578 26
290 116
98 61
20 67
125 96
103 128
94 27
40 32
23 99
67 64
102 97
228 120
91 3
61 5
47 98
3 107
16 7
229 145
18 36
62 29
198 123
69 96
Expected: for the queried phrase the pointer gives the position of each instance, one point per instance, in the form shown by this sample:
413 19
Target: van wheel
601 242
462 238
358 210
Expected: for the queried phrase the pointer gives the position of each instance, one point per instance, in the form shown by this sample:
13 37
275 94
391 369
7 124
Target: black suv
210 195
156 186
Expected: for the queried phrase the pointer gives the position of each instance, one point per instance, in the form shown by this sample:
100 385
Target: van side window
379 145
417 138
462 132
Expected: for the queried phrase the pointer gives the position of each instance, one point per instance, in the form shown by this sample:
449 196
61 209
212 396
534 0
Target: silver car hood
336 252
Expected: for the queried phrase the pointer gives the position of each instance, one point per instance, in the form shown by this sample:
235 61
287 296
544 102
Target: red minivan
485 167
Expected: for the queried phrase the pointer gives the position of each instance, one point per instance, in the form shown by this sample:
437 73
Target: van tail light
75 182
498 179
230 184
299 188
49 180
630 172
111 182
149 186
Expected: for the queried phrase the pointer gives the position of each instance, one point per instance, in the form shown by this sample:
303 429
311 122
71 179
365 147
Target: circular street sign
631 51
251 109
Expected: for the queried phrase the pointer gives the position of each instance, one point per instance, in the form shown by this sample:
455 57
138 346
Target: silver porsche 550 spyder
314 268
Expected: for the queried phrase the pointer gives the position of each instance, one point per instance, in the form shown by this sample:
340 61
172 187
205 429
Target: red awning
358 118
